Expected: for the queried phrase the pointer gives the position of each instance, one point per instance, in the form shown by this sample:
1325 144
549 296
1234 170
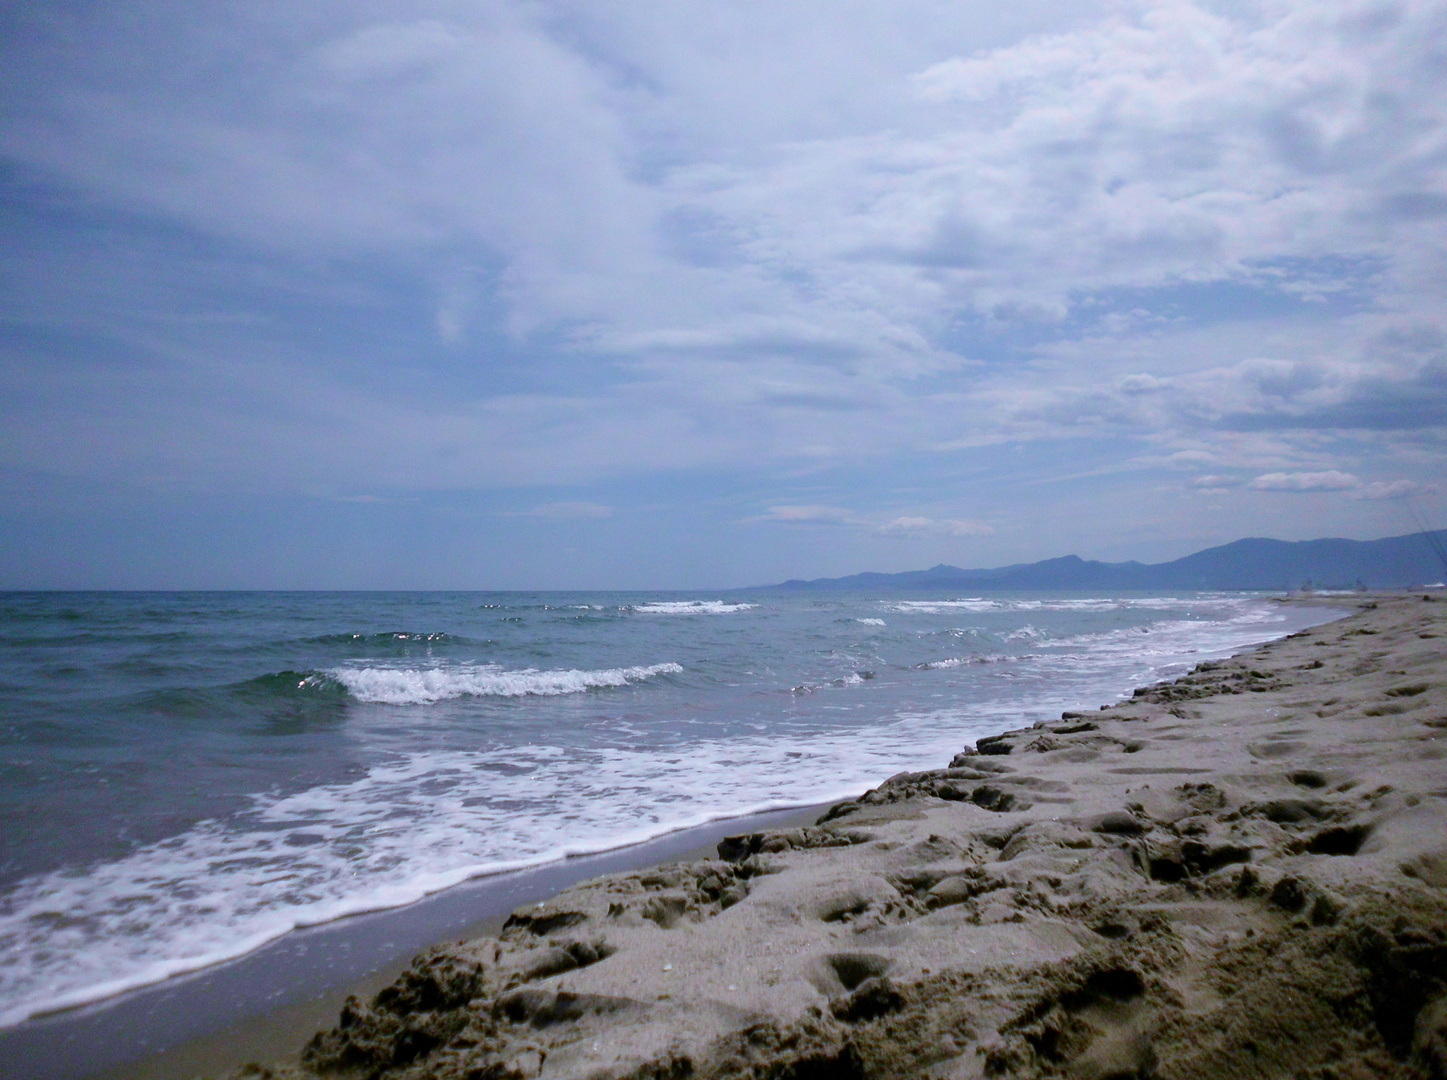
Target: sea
187 776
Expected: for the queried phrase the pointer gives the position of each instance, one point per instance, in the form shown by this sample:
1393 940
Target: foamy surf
691 607
1083 605
423 686
934 607
518 741
406 830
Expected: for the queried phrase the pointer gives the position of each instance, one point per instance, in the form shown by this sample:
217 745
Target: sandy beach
1241 873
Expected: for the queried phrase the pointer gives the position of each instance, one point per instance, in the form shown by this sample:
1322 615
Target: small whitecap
936 607
691 607
1025 633
422 686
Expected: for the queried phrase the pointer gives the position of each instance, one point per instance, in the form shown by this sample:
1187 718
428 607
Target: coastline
323 804
213 1020
1241 872
900 731
264 1002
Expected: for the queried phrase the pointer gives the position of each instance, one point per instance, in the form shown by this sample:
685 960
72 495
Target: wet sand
267 1003
1241 873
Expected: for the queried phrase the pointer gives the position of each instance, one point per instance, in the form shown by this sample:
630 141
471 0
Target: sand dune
1242 873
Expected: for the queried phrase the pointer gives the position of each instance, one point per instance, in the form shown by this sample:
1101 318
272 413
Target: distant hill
1396 562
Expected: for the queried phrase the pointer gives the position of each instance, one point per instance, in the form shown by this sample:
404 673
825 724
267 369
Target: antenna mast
1431 537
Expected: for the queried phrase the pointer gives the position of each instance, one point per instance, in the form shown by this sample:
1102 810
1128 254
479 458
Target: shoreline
203 907
231 1029
1239 872
260 1003
116 991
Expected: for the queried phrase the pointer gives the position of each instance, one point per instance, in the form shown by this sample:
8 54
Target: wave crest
421 686
691 607
965 661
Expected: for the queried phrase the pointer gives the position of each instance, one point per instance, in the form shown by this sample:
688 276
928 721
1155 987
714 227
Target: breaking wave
973 658
422 686
691 607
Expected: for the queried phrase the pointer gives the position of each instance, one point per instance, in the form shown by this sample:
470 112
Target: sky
685 295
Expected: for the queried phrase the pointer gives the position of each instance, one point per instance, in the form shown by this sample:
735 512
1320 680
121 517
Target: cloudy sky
686 294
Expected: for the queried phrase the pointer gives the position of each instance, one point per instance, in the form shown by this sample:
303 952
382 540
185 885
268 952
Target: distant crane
1431 537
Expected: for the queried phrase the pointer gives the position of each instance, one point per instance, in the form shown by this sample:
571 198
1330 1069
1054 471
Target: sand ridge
1241 873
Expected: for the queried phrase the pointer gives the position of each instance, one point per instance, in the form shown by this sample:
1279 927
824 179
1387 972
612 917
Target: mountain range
1395 562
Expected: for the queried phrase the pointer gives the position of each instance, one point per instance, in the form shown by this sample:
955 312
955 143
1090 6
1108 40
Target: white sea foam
973 658
934 607
404 830
692 607
420 820
421 686
1025 633
1157 649
1080 604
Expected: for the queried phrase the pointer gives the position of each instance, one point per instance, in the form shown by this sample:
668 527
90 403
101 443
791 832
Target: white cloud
1331 480
1389 489
1215 483
908 524
1138 384
942 527
1163 142
827 515
958 527
925 231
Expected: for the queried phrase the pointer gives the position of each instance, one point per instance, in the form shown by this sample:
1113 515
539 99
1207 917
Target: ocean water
186 776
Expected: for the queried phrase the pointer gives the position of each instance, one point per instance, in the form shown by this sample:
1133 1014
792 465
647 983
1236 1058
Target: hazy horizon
554 295
722 589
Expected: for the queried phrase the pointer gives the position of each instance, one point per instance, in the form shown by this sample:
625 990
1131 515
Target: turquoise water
184 776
